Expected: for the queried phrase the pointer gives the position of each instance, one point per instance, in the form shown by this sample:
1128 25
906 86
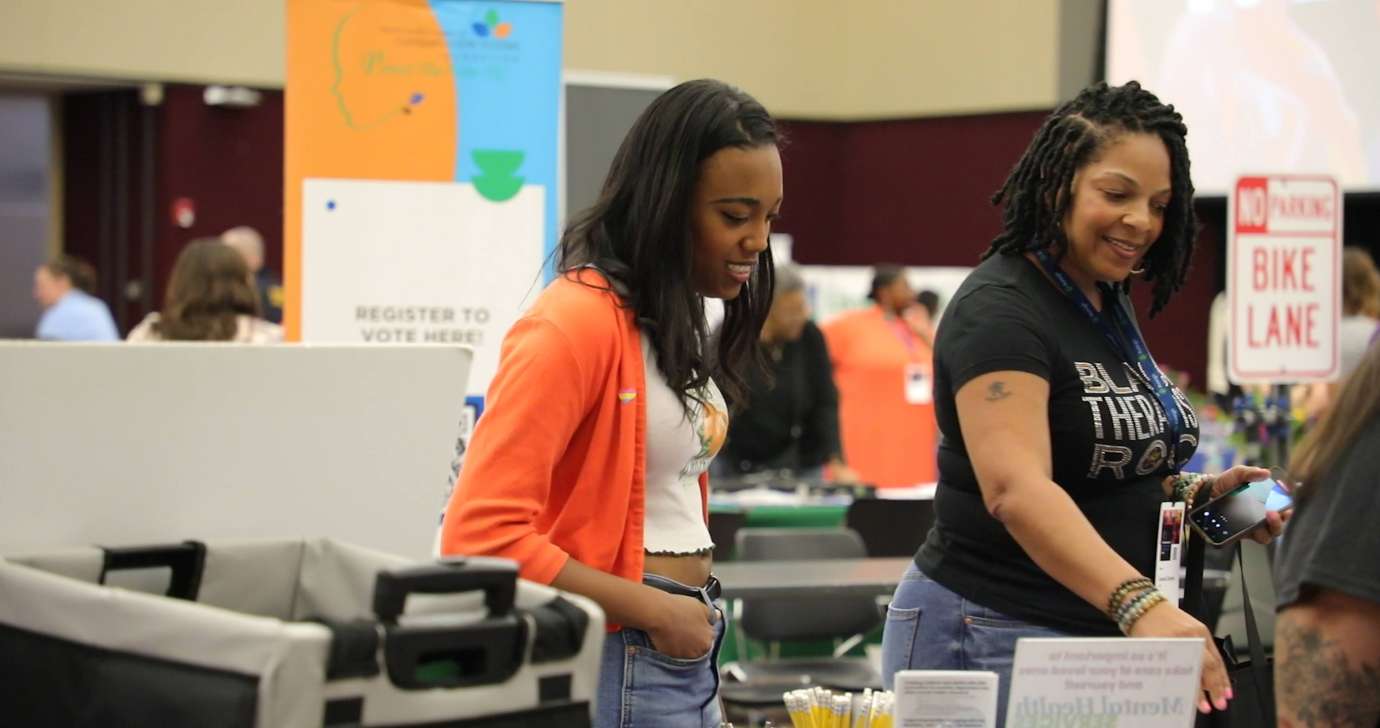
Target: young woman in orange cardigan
589 466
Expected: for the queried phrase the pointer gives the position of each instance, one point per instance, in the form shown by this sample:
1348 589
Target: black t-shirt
1108 435
1331 541
793 420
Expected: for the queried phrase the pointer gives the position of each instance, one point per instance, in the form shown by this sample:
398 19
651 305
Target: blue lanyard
1129 345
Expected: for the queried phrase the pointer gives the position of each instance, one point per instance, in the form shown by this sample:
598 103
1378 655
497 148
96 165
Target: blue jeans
929 627
642 688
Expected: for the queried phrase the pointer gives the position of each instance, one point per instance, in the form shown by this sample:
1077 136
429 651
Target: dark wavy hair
638 234
1036 196
208 290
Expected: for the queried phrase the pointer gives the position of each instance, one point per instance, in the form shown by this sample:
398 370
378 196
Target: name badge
1169 550
919 386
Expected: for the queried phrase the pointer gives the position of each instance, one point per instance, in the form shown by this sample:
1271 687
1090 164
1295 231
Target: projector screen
1264 85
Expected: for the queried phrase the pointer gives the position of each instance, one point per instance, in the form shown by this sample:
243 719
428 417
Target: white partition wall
123 444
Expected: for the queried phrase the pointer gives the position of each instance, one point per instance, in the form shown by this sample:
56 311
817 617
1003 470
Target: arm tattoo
1319 686
997 391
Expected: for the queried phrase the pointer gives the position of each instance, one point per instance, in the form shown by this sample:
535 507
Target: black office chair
760 683
891 527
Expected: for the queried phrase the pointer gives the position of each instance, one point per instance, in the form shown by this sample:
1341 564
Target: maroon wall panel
814 163
229 162
106 137
913 191
910 191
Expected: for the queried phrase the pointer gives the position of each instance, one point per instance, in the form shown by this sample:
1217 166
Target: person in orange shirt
883 370
589 466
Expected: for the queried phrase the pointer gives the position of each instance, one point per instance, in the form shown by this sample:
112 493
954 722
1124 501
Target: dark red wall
910 191
918 192
229 162
125 162
107 138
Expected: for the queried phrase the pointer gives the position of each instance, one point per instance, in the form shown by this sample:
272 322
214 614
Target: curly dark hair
638 234
1039 191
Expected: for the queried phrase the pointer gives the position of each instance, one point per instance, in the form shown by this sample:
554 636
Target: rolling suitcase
279 634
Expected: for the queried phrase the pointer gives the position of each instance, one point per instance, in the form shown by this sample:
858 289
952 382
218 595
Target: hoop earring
1137 271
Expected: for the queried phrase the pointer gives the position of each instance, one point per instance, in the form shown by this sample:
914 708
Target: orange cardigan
557 465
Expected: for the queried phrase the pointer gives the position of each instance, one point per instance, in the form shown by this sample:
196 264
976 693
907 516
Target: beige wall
803 58
227 41
931 57
827 59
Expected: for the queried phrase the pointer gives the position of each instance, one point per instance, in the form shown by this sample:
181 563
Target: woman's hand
1167 620
1228 480
685 629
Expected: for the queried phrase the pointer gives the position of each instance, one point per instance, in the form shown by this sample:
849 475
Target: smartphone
1234 514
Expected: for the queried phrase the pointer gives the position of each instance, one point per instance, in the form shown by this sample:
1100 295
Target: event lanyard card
919 389
1169 549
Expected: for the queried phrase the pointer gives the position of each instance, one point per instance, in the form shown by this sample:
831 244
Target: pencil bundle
821 708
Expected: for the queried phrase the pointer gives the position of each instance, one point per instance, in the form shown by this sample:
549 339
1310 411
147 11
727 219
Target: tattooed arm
1327 662
1004 417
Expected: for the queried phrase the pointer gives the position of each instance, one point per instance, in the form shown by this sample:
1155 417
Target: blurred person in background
1360 306
250 244
1360 321
1327 634
792 417
63 286
883 370
923 317
210 297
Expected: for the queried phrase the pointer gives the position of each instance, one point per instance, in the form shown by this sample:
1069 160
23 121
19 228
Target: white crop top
679 449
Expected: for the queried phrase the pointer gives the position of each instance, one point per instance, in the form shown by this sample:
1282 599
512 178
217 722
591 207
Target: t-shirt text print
1129 426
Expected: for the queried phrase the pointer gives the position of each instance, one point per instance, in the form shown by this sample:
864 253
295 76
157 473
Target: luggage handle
486 652
497 578
186 560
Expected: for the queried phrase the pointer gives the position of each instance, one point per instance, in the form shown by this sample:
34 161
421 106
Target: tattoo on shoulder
1319 685
997 390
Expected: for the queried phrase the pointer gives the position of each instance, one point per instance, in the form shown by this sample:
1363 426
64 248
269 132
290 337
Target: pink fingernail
1220 703
1229 694
1203 706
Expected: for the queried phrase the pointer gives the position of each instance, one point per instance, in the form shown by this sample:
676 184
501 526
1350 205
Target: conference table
826 577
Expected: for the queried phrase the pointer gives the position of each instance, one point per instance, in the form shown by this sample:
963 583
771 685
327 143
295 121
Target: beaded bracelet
1130 604
1131 599
1124 590
1185 484
1191 493
1134 610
